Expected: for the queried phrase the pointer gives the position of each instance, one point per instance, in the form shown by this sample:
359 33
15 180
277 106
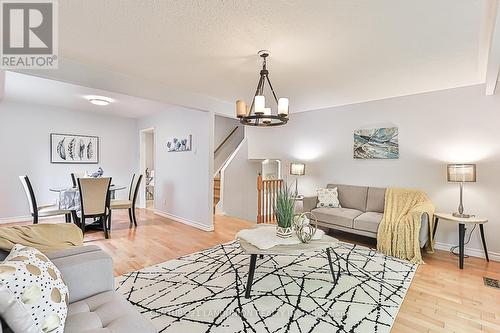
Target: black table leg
331 265
461 236
436 220
251 271
484 242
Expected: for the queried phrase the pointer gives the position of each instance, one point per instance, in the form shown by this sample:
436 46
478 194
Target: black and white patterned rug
204 292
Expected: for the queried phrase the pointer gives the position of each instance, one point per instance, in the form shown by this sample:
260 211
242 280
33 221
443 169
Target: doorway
147 165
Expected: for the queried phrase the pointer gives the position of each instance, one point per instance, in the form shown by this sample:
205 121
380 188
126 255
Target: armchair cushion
86 270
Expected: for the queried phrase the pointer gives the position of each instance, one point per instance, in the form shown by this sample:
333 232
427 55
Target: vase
283 232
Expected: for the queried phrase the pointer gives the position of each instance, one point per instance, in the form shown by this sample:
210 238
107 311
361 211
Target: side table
462 221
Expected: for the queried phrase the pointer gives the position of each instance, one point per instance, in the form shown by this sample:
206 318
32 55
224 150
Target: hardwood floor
441 298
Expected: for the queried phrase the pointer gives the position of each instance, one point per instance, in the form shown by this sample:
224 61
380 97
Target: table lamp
297 169
461 173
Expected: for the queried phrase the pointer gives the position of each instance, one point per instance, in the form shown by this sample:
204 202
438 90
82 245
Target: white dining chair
94 201
130 203
43 210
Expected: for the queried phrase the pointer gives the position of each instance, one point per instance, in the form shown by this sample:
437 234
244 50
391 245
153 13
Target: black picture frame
74 149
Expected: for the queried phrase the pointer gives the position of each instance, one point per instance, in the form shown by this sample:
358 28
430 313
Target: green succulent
285 205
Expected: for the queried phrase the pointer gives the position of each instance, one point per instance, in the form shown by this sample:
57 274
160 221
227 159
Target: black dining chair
94 200
43 210
130 203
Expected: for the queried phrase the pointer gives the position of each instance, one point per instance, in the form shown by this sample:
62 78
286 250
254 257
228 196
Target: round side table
462 221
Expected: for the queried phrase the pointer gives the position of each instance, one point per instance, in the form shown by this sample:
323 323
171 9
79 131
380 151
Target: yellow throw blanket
44 237
398 233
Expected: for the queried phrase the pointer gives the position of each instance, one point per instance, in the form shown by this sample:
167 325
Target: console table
462 221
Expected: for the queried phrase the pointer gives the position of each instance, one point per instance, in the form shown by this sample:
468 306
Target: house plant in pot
284 212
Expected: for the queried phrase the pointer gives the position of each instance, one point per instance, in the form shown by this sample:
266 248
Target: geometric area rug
204 291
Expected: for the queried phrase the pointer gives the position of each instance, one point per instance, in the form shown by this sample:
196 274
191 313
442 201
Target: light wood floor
442 298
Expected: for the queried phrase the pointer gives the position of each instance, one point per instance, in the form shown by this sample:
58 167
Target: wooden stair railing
267 195
216 190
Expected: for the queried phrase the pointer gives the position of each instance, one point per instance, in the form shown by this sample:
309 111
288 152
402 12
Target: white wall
25 149
183 188
456 125
223 126
239 181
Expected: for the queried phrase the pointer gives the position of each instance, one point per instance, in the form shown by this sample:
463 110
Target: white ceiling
27 88
324 52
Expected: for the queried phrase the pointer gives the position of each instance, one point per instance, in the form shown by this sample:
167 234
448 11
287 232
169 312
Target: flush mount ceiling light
99 100
258 114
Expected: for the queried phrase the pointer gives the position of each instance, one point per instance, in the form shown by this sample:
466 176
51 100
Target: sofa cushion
328 197
351 196
338 216
105 312
375 201
368 221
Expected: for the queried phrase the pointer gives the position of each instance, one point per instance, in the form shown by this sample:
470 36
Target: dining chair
75 176
94 201
43 210
130 203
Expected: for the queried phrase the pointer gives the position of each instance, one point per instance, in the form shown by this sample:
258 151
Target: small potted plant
284 212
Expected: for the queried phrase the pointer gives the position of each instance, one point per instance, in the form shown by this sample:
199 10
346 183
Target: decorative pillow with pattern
33 296
328 197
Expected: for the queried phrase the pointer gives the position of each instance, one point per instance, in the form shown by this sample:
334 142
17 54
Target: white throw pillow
33 296
328 198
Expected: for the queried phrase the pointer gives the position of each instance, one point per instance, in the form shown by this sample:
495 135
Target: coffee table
323 244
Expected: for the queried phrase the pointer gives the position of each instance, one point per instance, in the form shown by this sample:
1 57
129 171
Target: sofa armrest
309 203
87 271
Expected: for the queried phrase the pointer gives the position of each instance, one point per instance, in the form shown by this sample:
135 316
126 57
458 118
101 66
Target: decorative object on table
284 211
74 149
461 173
305 225
98 173
180 144
262 115
328 198
43 210
398 233
376 143
34 295
462 222
297 169
304 277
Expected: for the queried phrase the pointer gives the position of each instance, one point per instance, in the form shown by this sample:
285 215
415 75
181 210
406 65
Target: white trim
478 253
191 223
220 204
15 219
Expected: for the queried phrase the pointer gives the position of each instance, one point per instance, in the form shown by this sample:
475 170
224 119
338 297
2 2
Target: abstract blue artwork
376 143
177 144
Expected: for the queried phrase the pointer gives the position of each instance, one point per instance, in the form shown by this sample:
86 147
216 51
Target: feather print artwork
81 150
90 150
61 149
72 148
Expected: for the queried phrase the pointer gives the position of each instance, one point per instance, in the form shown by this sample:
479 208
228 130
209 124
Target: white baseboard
15 219
191 223
479 253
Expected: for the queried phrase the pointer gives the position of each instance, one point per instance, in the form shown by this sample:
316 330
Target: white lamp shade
297 169
283 106
461 172
259 104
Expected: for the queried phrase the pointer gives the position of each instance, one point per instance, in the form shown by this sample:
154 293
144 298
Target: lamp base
465 216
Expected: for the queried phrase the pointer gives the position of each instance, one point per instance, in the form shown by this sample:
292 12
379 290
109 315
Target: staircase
216 190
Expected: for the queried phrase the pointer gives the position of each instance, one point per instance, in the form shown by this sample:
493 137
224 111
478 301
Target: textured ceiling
324 52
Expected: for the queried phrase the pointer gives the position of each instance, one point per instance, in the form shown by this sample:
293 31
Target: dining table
69 197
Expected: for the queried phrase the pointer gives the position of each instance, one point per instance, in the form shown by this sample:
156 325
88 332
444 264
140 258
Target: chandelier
258 114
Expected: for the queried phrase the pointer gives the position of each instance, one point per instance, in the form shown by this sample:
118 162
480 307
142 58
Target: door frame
142 165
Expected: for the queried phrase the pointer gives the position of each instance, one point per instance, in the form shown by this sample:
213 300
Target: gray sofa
361 213
94 306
